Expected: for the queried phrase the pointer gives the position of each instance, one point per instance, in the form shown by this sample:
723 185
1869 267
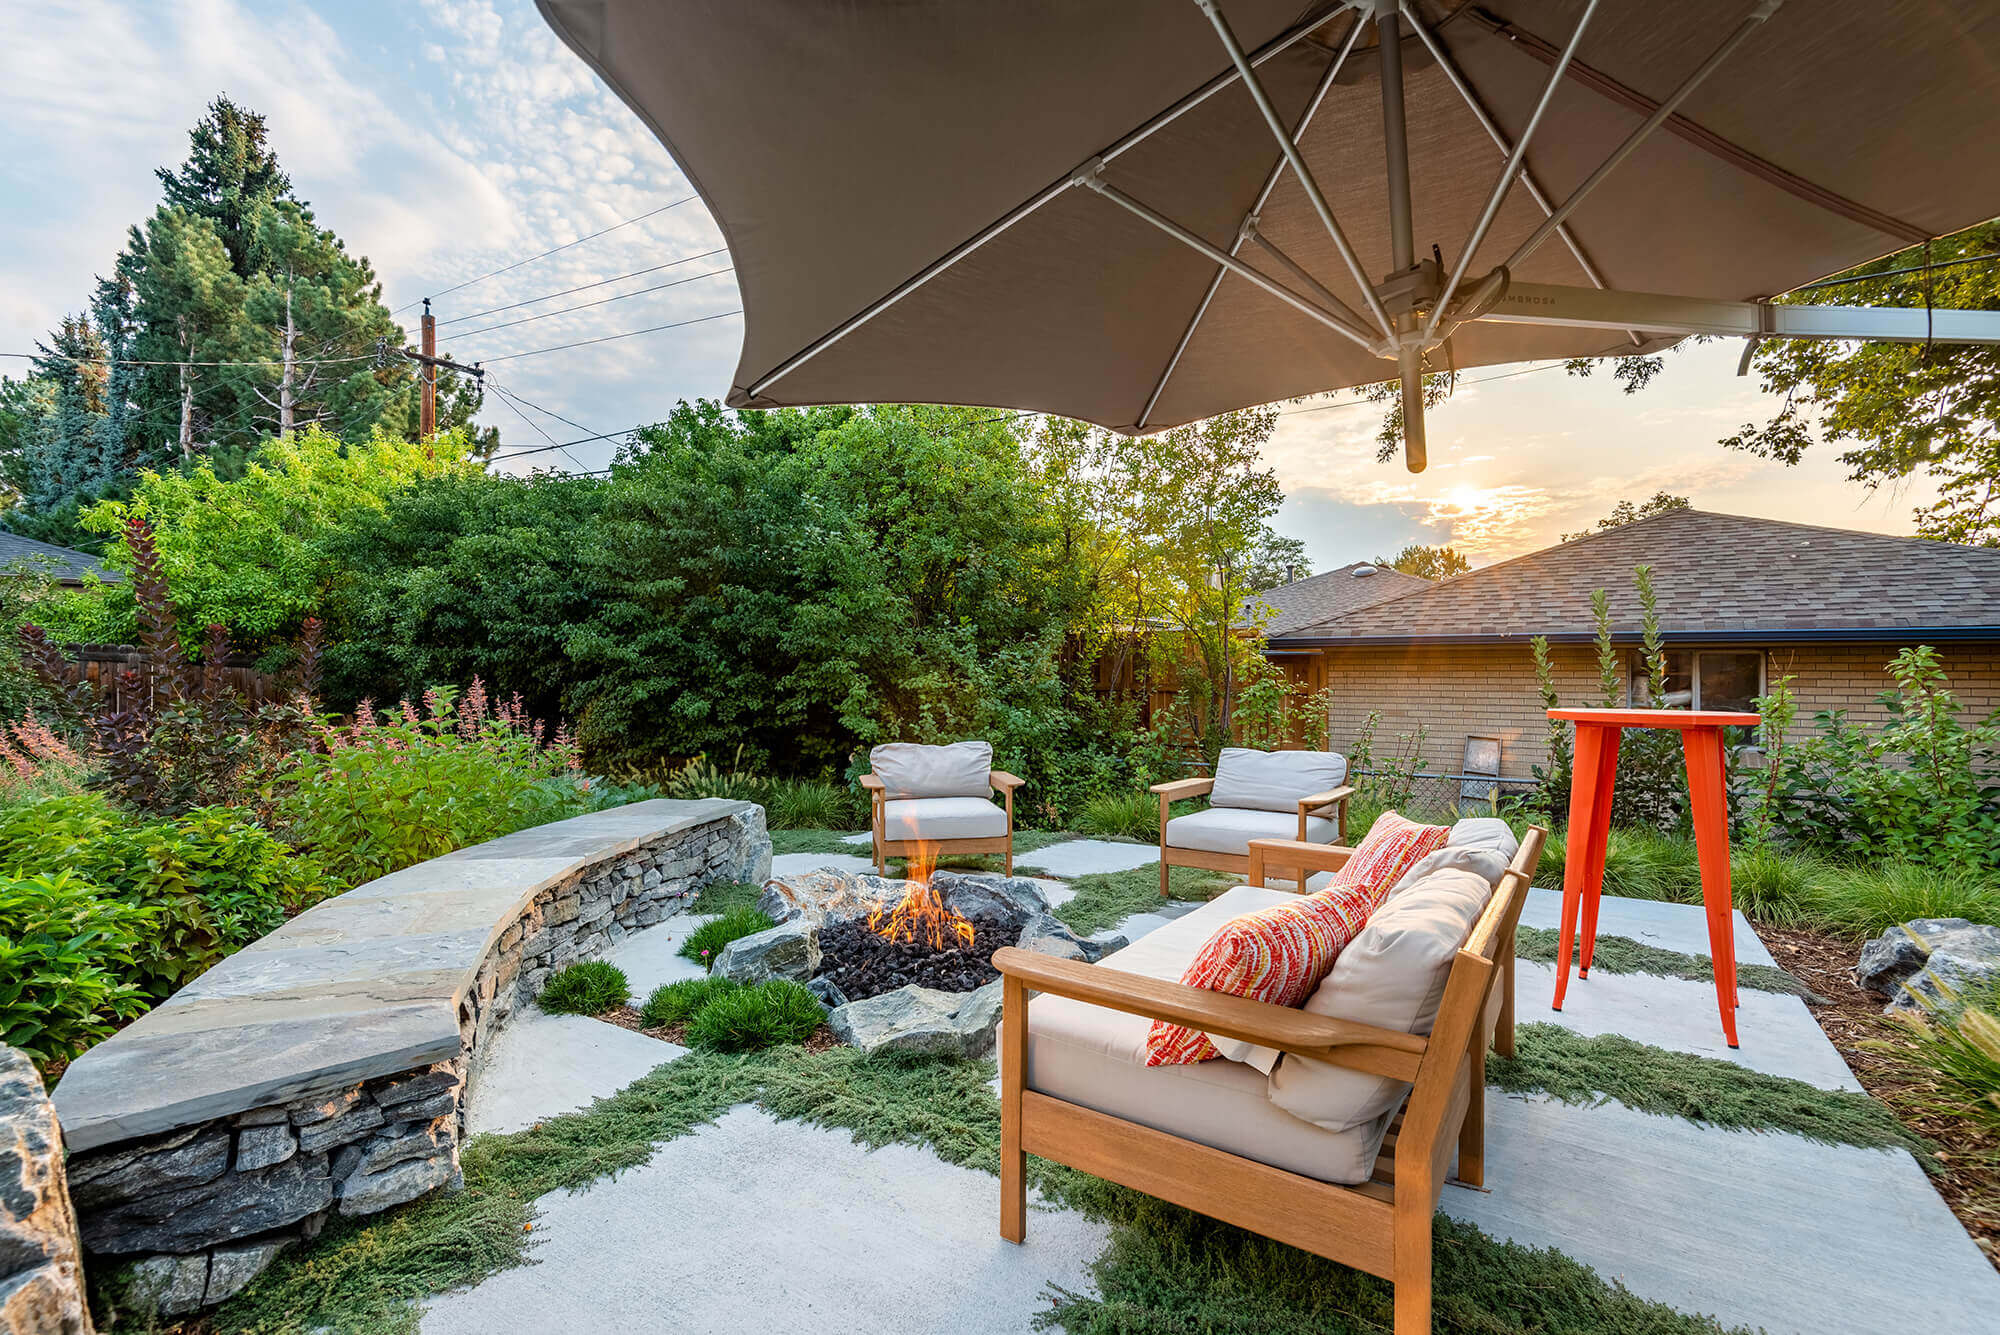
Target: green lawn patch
1105 899
722 896
813 841
1573 1068
1621 954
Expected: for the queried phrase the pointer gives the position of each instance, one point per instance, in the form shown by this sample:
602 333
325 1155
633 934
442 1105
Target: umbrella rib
1515 161
1284 41
1271 180
1255 87
1506 146
1754 21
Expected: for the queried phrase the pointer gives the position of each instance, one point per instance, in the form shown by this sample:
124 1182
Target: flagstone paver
544 1065
756 1224
1083 857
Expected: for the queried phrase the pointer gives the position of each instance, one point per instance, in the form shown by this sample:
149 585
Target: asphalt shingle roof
1305 601
60 563
1715 574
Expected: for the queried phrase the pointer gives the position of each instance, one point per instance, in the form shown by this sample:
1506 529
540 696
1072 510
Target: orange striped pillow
1279 954
1391 847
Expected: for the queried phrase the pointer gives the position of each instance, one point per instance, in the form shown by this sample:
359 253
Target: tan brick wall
1489 691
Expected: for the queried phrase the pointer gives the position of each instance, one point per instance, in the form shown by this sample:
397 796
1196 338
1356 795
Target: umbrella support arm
1750 24
1092 179
1289 147
1591 308
1456 77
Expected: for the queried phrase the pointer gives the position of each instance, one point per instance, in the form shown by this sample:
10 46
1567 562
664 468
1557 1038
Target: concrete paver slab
541 1065
649 959
1758 1230
1681 927
756 1224
1083 857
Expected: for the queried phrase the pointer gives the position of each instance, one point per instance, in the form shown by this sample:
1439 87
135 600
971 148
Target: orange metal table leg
1708 802
1594 771
1600 847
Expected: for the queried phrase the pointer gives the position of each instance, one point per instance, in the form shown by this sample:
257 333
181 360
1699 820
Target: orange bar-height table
1592 782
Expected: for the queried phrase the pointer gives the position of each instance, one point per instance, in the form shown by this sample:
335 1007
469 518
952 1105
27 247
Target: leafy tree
1905 409
1627 513
249 554
1277 560
1428 562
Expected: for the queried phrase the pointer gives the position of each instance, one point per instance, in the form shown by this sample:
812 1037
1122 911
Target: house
1742 602
61 564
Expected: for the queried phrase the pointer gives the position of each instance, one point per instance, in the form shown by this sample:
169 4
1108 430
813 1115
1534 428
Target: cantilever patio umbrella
1146 212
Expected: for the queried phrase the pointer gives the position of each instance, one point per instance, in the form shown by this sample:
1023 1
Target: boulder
827 991
1929 959
1014 900
827 896
41 1273
921 1019
789 950
1049 935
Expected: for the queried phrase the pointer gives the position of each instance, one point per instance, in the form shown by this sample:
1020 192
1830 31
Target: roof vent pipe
1363 571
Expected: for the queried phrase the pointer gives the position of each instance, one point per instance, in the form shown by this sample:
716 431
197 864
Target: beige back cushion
1478 843
907 770
1392 975
1274 780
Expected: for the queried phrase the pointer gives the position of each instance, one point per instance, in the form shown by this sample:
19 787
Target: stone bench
323 1067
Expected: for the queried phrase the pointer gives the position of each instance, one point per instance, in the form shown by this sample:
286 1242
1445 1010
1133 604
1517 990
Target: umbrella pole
1402 241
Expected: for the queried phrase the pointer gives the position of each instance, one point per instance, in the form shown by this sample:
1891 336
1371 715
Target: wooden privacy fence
127 681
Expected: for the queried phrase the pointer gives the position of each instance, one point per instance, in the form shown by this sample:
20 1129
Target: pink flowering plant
390 788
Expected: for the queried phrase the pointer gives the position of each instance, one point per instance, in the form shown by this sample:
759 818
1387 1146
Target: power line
632 333
586 305
124 361
544 449
508 268
1482 380
1897 273
584 287
550 412
553 444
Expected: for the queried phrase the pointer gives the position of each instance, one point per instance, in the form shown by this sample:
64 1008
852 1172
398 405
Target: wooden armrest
1327 798
1294 853
1181 788
1004 781
1361 1047
872 784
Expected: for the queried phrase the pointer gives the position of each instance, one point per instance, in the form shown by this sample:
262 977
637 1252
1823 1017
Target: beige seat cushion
1392 975
1230 829
943 818
906 769
1096 1058
1274 780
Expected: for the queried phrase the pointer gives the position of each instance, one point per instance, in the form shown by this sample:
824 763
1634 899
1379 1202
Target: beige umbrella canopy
1146 212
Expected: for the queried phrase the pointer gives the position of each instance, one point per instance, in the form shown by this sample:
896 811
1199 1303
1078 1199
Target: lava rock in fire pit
789 950
921 1019
863 963
1014 900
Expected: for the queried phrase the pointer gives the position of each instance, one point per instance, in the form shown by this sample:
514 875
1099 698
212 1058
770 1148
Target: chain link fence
1427 793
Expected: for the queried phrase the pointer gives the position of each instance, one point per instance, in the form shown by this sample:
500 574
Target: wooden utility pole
430 375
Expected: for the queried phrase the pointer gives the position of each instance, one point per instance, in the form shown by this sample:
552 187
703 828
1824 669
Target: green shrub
387 793
1642 864
66 951
212 881
587 987
1774 886
814 804
746 1019
705 942
701 777
1133 815
1860 901
676 1003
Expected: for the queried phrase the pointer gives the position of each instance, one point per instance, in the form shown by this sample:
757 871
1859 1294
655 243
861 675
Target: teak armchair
885 847
1382 1226
1331 802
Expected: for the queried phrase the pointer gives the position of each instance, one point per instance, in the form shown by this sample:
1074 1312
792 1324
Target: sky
444 139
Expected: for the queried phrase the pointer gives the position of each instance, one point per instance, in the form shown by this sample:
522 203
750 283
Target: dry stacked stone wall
203 1209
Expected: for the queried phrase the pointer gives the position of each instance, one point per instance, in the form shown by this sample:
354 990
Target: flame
920 915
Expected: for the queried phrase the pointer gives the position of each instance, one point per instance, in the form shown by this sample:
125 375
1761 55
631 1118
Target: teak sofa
938 800
1291 795
1212 1137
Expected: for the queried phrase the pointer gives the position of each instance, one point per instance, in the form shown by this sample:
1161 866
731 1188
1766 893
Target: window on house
1705 679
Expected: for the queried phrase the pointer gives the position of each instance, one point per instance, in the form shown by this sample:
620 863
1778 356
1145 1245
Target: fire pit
903 964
